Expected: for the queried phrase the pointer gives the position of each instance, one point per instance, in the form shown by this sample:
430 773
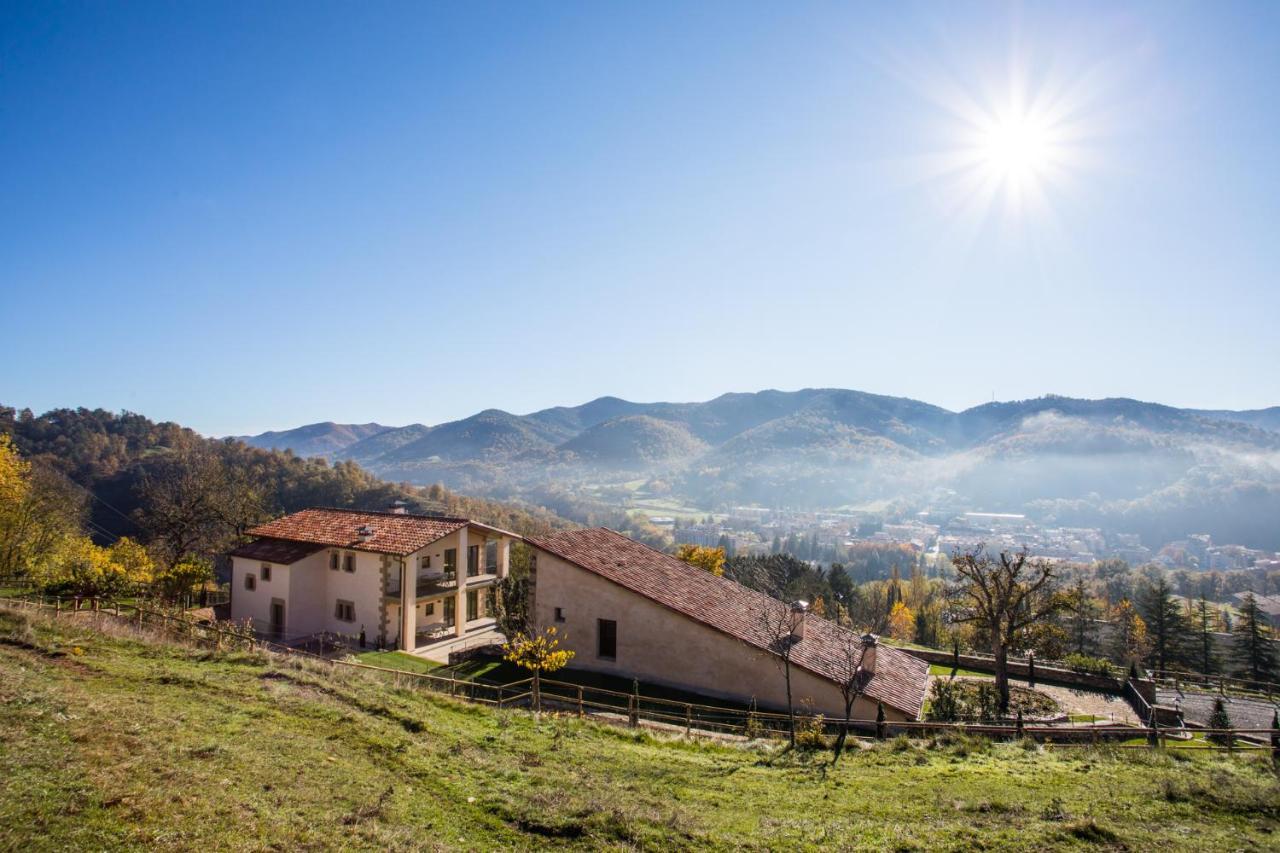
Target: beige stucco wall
658 645
311 590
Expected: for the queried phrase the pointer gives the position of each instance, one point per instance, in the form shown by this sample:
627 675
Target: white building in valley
406 581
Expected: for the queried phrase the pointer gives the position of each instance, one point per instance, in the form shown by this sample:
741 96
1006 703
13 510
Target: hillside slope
124 743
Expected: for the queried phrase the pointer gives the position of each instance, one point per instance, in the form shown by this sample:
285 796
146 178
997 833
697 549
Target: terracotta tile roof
393 533
899 679
276 551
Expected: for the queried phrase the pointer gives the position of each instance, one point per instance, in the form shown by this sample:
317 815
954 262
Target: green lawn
945 670
400 660
117 743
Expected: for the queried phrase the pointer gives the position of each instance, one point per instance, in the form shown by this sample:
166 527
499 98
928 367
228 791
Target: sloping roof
393 533
899 679
276 551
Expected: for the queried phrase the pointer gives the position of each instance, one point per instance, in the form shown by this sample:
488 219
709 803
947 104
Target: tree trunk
791 711
1001 653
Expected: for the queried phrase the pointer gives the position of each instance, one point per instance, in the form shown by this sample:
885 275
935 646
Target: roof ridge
388 513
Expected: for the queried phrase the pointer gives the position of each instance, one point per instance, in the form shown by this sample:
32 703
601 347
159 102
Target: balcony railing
426 584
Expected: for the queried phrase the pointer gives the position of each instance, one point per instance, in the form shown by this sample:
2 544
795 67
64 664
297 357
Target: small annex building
626 609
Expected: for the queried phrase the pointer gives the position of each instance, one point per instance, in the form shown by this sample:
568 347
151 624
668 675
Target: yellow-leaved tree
711 559
38 510
538 653
80 567
902 622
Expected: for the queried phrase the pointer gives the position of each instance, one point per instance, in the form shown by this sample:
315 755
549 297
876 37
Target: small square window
559 614
424 561
333 560
250 582
345 611
348 562
431 608
265 572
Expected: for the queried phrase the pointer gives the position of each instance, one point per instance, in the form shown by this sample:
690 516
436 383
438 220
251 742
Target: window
348 562
345 611
333 560
491 557
607 634
559 614
486 600
431 608
424 562
450 561
473 560
265 571
250 582
450 610
473 605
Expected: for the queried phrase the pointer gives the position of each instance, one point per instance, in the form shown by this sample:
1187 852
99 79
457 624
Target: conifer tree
1251 647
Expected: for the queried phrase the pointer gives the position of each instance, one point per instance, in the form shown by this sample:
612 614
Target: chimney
869 643
799 614
400 508
364 532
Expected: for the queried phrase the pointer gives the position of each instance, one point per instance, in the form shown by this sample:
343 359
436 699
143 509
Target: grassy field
116 742
400 660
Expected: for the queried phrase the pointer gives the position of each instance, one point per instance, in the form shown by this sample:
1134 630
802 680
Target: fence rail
539 693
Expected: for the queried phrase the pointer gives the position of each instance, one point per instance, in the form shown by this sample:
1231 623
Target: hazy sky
252 216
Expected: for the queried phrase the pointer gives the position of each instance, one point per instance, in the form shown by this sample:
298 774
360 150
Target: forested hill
116 463
1123 464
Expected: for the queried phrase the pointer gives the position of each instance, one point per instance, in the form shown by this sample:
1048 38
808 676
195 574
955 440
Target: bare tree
1002 597
853 679
783 624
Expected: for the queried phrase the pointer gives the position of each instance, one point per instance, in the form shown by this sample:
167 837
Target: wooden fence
540 693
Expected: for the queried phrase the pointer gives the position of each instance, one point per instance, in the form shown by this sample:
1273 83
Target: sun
1008 149
1016 148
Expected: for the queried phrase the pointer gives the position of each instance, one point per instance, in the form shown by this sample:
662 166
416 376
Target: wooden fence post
688 719
537 691
632 718
580 709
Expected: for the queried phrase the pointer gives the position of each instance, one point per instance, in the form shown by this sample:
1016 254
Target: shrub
810 732
1086 665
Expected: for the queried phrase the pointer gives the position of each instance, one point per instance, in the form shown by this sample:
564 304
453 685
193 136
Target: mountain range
1117 461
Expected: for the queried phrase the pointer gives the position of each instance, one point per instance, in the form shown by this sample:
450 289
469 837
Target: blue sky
252 216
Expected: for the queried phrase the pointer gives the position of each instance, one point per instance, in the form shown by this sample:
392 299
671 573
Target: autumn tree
538 653
1129 642
86 570
902 622
39 509
711 559
1002 596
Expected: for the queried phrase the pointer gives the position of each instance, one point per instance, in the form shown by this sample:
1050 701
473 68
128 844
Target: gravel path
1073 700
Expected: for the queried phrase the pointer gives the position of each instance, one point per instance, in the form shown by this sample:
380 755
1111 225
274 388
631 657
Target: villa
399 580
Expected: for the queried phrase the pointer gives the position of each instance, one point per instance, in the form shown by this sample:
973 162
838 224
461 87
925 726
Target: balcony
427 584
